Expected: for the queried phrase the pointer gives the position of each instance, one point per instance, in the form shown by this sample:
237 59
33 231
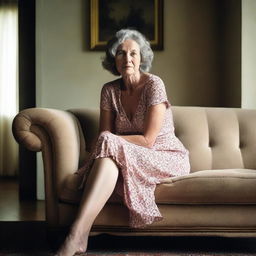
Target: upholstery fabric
185 219
202 187
218 197
217 138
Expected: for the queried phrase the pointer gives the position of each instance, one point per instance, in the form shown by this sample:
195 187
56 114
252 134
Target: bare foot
74 244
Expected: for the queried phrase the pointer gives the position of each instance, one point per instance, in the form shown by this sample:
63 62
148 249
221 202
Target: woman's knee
105 168
106 163
105 135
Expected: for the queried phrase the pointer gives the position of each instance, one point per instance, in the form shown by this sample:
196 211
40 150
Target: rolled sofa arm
58 135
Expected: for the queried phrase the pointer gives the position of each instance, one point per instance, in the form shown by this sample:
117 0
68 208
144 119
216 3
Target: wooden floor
14 210
22 223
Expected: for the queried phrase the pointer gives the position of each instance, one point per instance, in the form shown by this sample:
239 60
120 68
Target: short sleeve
156 93
105 98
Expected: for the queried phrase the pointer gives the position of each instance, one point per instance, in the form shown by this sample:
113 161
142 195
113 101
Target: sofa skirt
179 220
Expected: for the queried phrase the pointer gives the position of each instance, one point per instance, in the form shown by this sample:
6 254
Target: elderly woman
136 147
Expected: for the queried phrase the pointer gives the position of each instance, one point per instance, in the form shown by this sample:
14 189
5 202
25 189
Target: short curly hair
146 52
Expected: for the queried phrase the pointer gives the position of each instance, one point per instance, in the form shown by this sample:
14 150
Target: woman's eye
119 53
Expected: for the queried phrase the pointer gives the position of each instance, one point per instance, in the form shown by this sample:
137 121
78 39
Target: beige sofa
217 198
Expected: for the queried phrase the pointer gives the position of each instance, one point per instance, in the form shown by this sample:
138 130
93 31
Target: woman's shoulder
111 87
113 83
154 82
154 78
156 92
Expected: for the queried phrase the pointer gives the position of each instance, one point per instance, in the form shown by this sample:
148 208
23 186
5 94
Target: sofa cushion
228 186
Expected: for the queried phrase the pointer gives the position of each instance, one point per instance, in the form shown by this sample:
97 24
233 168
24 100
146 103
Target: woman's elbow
149 142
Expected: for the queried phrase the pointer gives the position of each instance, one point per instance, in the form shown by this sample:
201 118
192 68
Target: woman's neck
132 82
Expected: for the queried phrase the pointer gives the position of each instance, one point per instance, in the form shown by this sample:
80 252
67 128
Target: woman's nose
128 57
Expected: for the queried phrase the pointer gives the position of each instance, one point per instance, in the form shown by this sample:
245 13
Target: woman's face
128 58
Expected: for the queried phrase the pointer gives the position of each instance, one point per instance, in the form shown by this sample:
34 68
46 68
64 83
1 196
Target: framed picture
109 16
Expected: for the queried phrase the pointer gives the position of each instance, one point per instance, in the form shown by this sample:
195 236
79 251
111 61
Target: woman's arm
153 124
106 121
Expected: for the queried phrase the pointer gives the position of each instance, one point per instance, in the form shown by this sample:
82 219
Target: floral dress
140 168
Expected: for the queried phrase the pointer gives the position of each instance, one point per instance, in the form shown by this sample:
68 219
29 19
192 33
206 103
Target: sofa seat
223 186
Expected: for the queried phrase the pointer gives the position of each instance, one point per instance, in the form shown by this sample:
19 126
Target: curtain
8 85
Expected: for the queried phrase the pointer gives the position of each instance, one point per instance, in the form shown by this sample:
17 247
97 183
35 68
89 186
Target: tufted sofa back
217 138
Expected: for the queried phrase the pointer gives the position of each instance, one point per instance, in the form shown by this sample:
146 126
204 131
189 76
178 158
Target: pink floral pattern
140 168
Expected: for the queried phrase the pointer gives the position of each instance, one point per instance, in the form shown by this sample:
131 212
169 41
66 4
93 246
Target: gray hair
146 52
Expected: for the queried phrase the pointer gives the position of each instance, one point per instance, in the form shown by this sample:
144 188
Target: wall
230 52
68 75
248 54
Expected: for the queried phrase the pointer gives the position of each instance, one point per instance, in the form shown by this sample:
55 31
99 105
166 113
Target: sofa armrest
58 135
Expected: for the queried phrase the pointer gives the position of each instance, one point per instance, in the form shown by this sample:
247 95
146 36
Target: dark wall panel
27 162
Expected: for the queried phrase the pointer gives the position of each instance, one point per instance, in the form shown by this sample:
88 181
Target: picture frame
109 16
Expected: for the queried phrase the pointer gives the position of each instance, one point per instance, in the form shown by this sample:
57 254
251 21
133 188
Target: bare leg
99 187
